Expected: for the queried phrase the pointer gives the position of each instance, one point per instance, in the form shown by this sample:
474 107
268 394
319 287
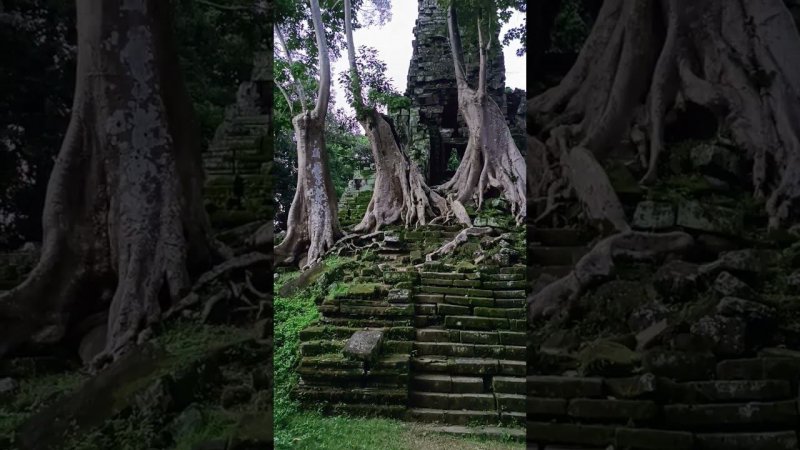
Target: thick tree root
492 159
735 58
599 265
400 192
461 238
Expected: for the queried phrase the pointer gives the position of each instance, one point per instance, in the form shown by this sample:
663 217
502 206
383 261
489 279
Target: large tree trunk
123 218
492 159
737 58
400 191
312 225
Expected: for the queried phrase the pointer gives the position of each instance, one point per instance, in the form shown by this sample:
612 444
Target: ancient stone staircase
469 355
453 353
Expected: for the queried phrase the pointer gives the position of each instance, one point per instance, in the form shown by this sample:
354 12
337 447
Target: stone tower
435 126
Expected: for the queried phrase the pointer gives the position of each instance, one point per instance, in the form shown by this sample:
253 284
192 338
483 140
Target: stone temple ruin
237 163
432 127
439 341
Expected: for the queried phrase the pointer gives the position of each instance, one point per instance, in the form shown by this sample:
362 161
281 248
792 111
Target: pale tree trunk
313 225
737 58
400 192
123 218
492 159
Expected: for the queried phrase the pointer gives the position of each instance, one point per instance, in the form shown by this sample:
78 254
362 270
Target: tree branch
355 78
324 94
455 46
297 84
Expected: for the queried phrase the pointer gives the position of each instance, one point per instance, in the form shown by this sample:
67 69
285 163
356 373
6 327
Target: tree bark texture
736 58
313 224
492 159
124 223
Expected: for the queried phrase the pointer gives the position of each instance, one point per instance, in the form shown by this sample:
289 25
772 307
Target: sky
393 41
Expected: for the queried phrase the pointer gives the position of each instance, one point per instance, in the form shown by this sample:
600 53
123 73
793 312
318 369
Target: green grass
35 393
309 430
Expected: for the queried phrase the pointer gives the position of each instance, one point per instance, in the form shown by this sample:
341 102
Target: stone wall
698 350
237 163
355 199
434 123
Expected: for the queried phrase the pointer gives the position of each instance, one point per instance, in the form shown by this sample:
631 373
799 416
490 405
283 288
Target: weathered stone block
496 312
475 323
469 301
445 309
480 337
509 385
364 345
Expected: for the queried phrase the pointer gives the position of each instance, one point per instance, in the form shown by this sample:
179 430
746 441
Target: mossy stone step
447 383
441 276
509 385
511 402
464 292
476 323
451 283
468 366
507 312
365 322
381 396
513 284
447 400
326 332
502 276
320 347
470 350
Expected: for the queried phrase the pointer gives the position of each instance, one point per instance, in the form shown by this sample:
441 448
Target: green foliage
292 315
372 73
35 393
216 49
492 14
37 80
570 29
